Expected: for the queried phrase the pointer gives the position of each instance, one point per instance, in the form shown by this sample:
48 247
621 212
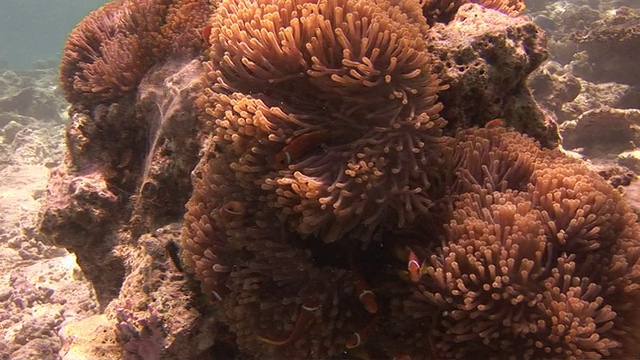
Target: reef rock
485 58
554 86
610 46
603 133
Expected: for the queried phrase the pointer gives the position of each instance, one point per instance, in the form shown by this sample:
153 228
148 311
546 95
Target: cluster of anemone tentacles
324 172
108 54
539 258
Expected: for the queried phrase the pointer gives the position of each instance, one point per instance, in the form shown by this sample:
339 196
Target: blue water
36 30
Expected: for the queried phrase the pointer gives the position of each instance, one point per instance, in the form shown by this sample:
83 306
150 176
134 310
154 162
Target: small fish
215 296
206 34
232 210
413 266
495 123
365 295
306 316
217 288
358 338
174 253
301 146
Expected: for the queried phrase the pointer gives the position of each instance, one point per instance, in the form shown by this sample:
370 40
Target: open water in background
36 30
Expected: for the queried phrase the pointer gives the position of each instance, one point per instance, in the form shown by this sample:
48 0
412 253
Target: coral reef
609 47
597 39
556 89
120 113
592 45
444 11
605 132
32 116
335 205
485 58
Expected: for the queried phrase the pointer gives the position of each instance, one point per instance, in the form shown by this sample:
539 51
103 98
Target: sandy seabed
41 287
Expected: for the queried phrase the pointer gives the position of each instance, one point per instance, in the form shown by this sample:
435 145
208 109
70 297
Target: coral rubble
591 87
610 47
41 288
356 184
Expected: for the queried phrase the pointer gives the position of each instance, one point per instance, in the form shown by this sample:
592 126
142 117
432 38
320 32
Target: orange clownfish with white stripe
365 295
413 266
205 33
307 313
360 337
495 123
301 146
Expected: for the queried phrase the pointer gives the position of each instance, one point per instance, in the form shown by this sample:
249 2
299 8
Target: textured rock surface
485 58
604 132
610 46
32 113
554 87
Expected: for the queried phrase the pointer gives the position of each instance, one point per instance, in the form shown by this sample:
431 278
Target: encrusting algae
333 214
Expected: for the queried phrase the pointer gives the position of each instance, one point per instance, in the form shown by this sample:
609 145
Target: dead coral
485 58
444 10
609 46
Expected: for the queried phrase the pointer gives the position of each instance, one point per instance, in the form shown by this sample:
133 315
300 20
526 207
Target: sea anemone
184 28
109 52
529 272
276 296
333 59
336 61
295 159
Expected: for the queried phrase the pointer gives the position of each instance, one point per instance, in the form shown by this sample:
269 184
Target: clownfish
365 295
360 337
495 123
306 316
206 33
301 146
232 210
413 266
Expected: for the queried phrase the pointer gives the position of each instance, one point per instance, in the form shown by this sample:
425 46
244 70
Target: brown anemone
184 28
353 80
332 58
533 272
277 298
106 55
